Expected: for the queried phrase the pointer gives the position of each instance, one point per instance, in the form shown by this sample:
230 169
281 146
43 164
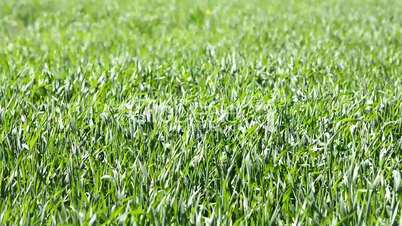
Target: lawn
229 112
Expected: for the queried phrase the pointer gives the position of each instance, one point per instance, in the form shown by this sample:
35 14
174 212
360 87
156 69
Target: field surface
243 112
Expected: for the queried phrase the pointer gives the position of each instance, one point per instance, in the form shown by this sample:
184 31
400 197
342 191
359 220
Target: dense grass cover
201 112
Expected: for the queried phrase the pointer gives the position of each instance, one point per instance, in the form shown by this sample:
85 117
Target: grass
201 112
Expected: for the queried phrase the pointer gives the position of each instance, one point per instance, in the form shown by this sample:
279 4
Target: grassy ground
201 112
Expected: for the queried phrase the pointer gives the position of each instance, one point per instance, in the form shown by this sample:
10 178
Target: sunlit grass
197 112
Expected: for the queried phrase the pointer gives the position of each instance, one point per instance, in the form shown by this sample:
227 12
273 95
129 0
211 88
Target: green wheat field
220 112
